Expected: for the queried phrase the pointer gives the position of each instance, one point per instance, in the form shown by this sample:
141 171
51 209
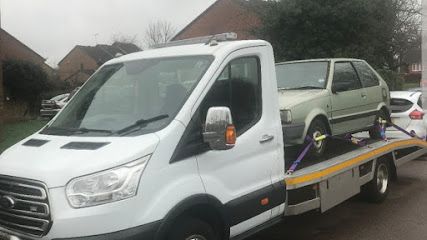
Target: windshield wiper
140 124
306 87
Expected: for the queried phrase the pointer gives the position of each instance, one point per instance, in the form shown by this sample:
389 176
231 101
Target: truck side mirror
219 131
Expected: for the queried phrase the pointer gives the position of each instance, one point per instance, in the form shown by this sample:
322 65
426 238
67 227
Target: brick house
82 61
12 48
223 16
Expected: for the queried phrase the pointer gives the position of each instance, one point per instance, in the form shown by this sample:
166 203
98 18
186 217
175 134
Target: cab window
239 88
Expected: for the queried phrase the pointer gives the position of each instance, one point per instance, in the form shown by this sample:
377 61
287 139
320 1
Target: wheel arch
202 206
322 117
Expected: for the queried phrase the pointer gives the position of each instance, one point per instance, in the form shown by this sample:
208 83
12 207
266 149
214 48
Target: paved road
403 216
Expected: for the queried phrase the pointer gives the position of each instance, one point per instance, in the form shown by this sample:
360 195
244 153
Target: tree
126 39
159 32
25 81
379 31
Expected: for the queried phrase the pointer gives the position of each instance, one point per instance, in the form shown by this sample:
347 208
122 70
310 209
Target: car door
242 176
347 100
374 94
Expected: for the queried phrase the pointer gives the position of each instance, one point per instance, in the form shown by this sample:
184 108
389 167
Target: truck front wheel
192 229
377 190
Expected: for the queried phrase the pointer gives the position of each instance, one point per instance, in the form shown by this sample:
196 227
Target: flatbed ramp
327 183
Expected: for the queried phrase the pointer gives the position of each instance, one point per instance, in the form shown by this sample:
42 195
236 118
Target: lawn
11 133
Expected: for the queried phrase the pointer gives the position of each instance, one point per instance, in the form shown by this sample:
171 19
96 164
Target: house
82 61
224 16
13 49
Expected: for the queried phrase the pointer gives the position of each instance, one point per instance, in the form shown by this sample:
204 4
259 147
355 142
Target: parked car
333 96
52 106
406 112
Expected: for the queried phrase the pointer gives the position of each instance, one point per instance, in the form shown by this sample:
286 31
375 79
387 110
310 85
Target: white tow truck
181 142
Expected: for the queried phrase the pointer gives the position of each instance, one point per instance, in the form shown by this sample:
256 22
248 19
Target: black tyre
375 131
317 128
377 190
192 229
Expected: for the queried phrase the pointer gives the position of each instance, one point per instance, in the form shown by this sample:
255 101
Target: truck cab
177 142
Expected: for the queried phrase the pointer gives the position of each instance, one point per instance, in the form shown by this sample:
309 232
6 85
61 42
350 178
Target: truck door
348 99
242 176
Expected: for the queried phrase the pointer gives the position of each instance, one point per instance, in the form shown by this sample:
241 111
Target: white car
407 113
52 106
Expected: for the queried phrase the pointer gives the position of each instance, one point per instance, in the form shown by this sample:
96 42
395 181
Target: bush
394 80
25 81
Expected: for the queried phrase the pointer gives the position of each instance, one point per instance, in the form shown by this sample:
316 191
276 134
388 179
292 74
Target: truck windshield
302 75
136 97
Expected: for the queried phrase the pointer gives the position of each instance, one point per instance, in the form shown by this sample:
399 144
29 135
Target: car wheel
375 131
377 189
192 229
317 128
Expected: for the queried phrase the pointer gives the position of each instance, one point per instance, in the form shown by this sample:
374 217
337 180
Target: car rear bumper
48 112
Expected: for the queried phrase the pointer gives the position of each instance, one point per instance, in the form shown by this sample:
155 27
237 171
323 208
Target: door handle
363 95
266 138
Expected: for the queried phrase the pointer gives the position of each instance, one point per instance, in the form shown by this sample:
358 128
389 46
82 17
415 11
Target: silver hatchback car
333 96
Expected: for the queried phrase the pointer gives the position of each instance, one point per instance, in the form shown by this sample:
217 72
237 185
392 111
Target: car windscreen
147 93
302 75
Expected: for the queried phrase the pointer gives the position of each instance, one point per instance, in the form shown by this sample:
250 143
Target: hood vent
35 143
84 145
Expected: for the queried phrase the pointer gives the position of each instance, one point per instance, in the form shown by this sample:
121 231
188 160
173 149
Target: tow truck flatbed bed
327 183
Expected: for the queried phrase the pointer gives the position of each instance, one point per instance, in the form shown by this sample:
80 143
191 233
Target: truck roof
189 50
321 60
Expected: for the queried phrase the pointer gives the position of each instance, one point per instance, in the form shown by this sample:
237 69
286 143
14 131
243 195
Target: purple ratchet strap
301 156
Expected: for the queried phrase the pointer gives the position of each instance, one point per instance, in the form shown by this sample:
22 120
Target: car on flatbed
179 142
330 96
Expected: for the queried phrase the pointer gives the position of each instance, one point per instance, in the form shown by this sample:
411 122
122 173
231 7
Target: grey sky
54 27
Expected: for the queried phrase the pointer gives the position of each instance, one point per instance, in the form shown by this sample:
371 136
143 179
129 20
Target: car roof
321 60
405 94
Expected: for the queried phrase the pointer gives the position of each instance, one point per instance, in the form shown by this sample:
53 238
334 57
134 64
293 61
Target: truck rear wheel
317 128
192 229
377 190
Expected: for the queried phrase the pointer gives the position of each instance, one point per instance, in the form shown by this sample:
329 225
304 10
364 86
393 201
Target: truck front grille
24 206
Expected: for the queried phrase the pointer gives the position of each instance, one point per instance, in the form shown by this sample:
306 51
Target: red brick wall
223 16
73 62
14 49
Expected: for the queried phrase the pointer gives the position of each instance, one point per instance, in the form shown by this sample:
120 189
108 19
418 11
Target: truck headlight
286 116
106 186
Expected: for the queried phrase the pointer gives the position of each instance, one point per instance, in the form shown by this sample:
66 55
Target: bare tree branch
159 32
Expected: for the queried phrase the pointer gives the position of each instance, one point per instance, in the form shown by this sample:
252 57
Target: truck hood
290 98
55 160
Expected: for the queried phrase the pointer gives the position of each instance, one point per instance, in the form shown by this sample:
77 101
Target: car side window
345 77
420 101
239 88
367 76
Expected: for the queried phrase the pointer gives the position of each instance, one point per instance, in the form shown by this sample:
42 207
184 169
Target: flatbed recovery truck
182 142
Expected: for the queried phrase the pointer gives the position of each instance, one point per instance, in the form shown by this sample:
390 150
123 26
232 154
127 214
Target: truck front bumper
144 232
293 133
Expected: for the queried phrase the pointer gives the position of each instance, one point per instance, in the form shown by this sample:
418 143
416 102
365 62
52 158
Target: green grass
12 133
